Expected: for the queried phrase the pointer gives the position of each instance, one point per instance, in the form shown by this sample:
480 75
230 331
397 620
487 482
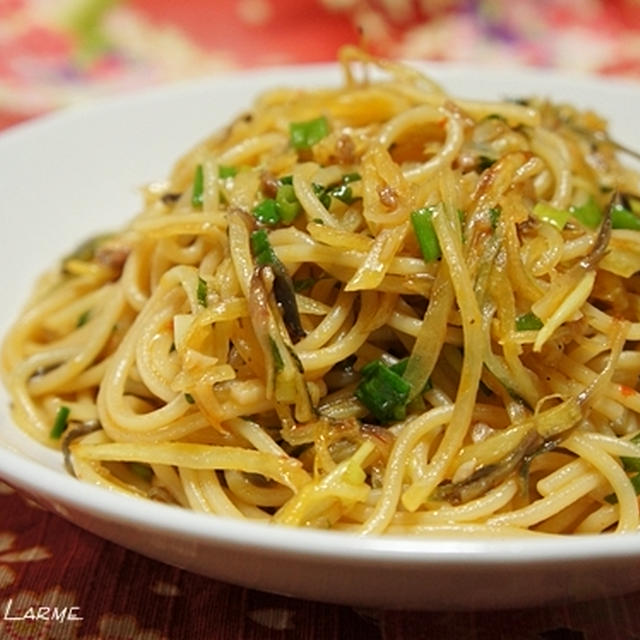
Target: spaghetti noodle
374 308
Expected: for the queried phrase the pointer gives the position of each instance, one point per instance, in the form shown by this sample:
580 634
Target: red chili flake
626 390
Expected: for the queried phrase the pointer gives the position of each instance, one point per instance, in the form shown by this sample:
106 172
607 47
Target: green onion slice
303 135
484 162
287 203
83 318
225 171
267 212
631 464
587 214
422 221
142 470
622 218
60 422
202 292
383 391
547 213
262 249
197 193
494 216
528 322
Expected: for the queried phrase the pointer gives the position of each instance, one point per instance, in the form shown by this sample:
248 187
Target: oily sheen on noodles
374 307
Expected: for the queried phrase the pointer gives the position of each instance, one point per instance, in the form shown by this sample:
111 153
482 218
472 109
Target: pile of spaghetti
374 308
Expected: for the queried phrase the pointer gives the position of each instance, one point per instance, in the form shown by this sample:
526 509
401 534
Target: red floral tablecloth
101 591
57 52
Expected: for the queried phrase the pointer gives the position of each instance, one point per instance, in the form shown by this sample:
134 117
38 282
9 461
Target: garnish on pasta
377 308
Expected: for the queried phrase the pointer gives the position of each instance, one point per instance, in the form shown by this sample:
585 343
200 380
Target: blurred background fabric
55 52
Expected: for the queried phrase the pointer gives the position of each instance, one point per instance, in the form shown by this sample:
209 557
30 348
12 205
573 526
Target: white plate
69 175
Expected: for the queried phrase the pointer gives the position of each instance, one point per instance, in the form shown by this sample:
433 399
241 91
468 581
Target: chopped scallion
622 218
587 214
484 162
189 398
202 292
283 208
323 195
494 216
383 391
197 193
142 470
83 318
631 464
422 222
547 213
304 284
262 249
400 367
342 192
303 135
528 322
60 422
287 203
225 171
266 212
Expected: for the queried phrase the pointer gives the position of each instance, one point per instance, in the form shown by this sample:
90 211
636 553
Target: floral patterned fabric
54 52
57 52
109 593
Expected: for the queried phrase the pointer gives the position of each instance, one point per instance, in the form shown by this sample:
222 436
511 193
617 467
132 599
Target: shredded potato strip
470 374
198 456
